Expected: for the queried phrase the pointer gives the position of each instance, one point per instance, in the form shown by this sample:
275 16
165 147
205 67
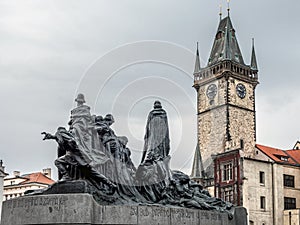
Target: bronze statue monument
95 160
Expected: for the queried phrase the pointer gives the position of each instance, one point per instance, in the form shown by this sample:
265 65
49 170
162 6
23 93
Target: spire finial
228 7
197 63
220 13
253 63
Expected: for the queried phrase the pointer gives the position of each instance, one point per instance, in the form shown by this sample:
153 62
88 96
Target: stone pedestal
75 209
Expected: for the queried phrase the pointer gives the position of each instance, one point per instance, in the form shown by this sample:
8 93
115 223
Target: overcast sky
49 47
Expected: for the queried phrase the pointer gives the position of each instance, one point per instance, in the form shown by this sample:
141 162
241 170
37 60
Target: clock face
211 91
241 90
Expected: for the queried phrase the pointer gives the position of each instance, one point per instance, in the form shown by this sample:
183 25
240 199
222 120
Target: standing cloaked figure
82 127
157 142
153 174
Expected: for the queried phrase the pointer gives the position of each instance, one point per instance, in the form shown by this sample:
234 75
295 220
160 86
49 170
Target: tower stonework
226 97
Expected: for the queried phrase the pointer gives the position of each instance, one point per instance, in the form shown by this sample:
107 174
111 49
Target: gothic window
262 202
289 203
261 177
227 171
288 180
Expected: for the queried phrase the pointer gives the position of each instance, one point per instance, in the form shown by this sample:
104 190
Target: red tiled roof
281 156
295 154
37 178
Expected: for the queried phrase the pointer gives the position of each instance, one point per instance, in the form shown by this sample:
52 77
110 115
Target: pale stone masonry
281 184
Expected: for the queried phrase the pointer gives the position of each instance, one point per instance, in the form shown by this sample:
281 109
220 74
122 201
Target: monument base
82 209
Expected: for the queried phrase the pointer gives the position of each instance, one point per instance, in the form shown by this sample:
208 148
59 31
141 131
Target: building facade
228 161
268 184
16 185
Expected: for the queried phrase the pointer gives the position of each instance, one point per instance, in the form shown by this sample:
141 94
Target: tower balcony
243 72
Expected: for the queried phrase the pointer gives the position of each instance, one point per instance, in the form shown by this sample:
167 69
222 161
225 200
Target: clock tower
226 97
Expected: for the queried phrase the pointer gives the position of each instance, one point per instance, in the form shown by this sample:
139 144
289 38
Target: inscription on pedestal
37 202
154 215
82 209
47 209
184 216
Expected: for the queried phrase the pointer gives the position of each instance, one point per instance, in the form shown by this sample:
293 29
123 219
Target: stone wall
253 190
212 131
204 103
242 127
81 209
248 101
216 115
291 216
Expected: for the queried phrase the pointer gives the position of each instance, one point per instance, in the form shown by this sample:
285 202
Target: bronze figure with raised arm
74 158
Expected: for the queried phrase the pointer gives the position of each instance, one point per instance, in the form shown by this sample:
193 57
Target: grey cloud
47 46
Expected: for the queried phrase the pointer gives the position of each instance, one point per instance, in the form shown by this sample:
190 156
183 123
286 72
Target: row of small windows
227 175
289 203
288 180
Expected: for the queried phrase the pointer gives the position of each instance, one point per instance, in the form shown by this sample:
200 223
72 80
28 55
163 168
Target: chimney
16 173
47 172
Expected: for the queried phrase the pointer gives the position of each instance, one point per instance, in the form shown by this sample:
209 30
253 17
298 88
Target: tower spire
225 45
253 58
197 63
197 169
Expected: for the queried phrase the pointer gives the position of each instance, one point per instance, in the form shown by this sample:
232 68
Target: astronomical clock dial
241 90
211 91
